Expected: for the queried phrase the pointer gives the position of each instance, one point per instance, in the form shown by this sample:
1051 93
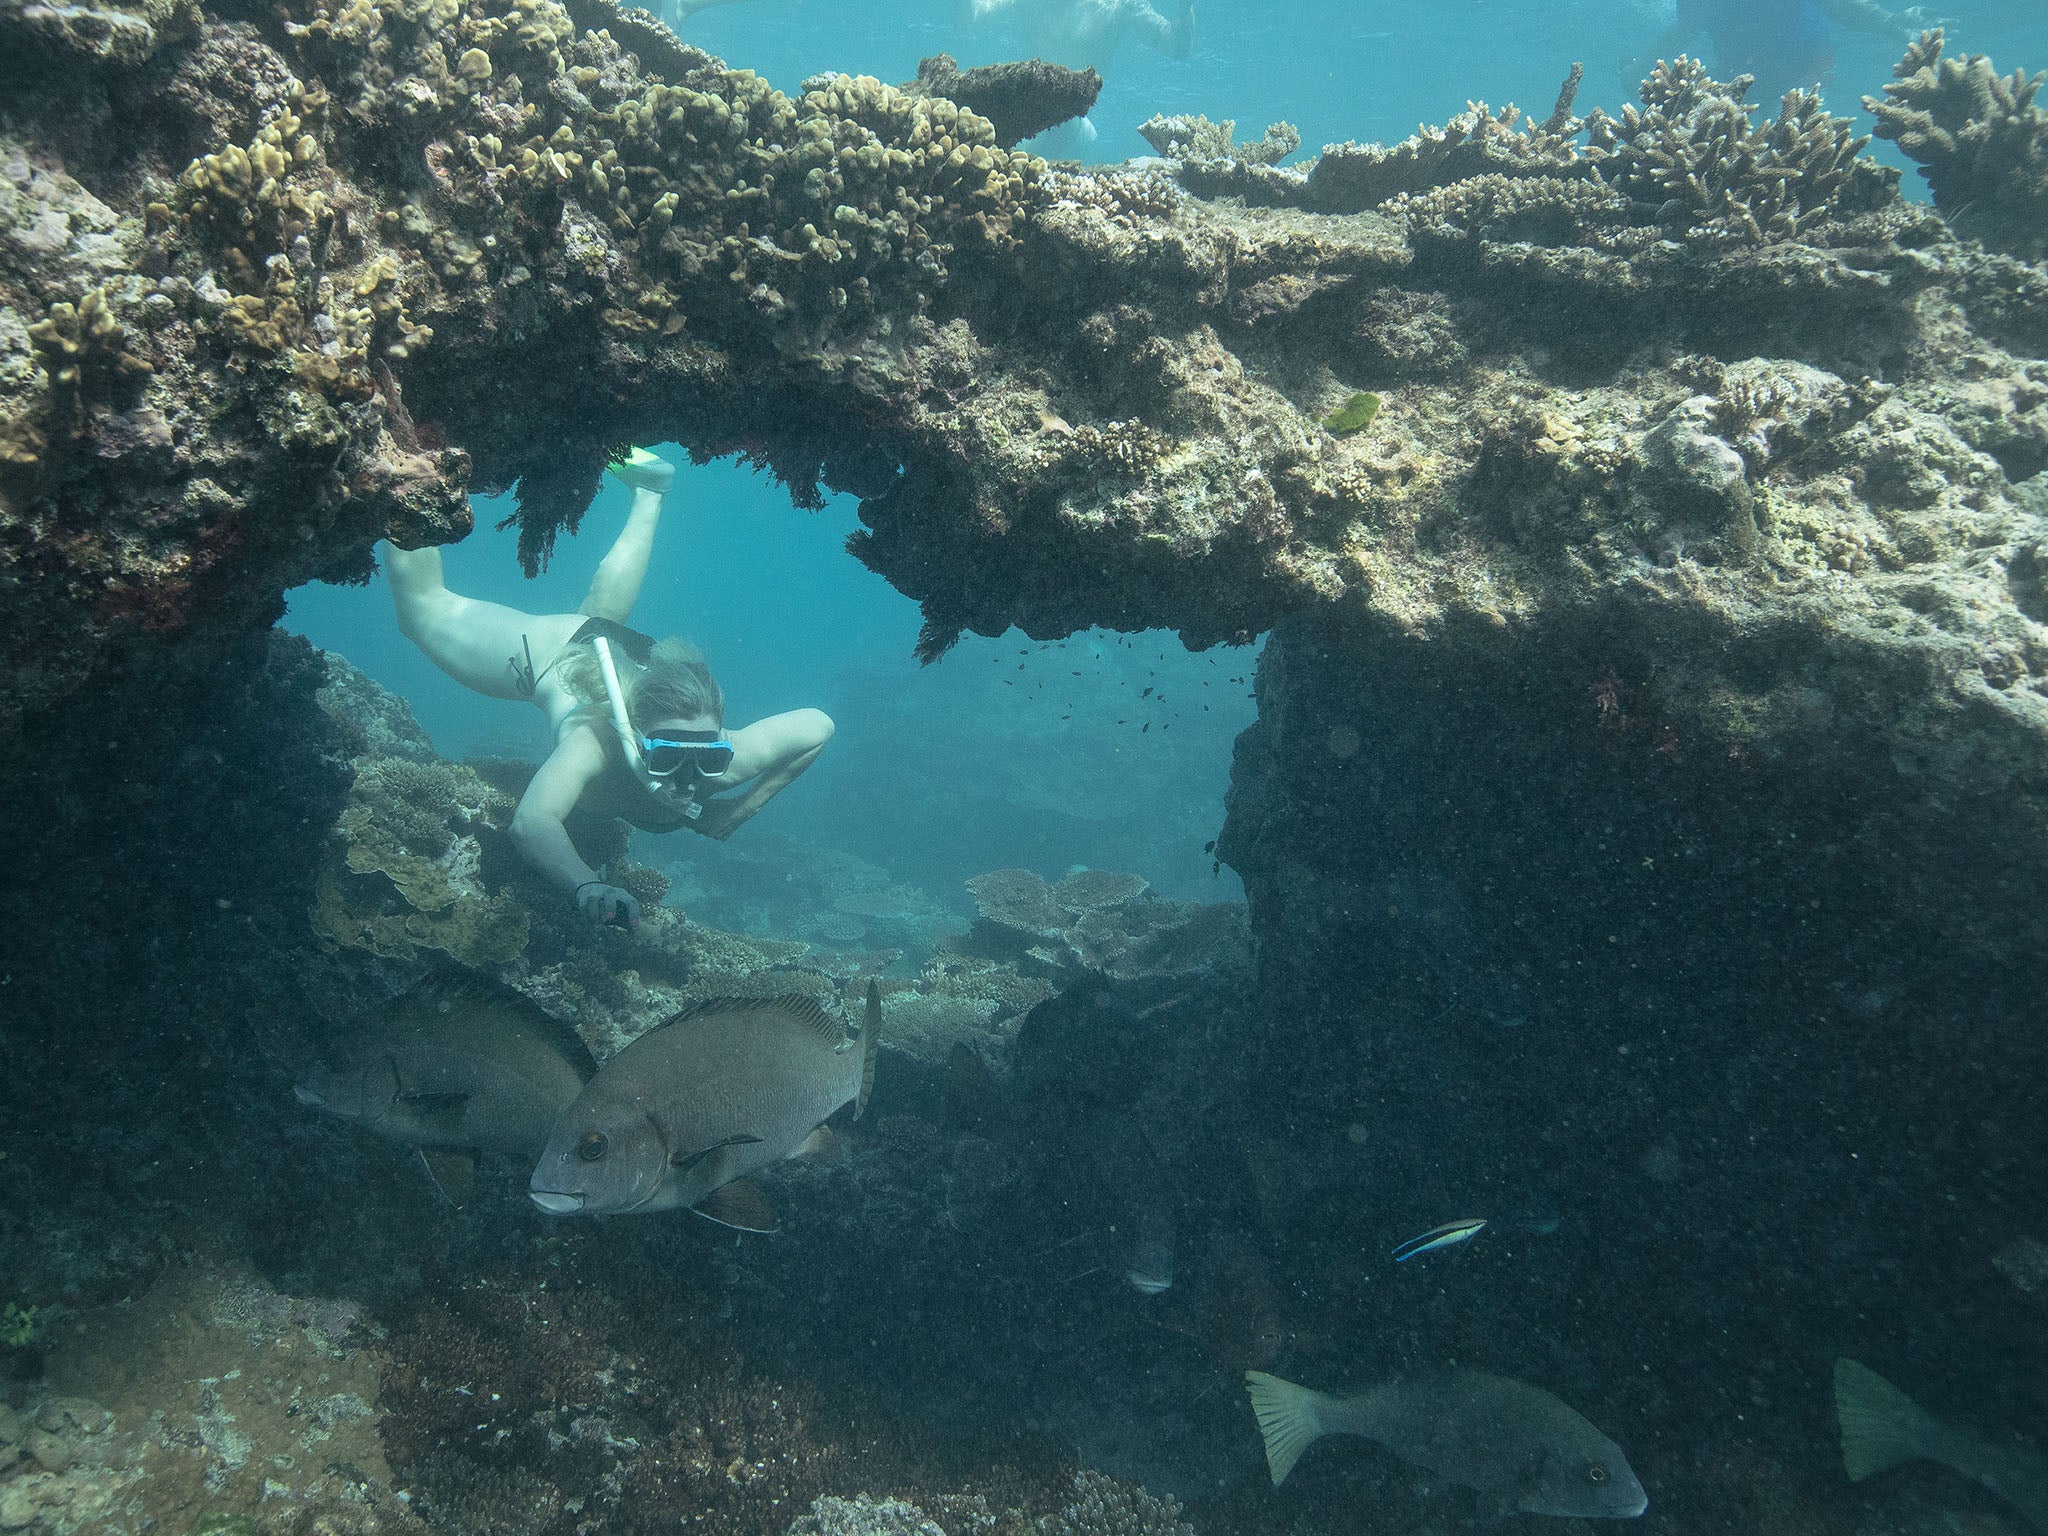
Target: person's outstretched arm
1864 16
771 753
1671 42
542 839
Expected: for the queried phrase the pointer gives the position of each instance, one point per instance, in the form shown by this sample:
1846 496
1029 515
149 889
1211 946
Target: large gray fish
684 1113
1882 1427
458 1061
1520 1447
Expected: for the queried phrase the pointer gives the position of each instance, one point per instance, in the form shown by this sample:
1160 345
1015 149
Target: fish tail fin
870 1038
1881 1426
1290 1417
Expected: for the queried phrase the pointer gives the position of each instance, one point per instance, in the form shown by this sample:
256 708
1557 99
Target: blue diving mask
707 753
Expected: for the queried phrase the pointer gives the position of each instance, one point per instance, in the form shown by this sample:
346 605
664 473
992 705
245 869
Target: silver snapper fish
682 1115
458 1061
1520 1447
1882 1427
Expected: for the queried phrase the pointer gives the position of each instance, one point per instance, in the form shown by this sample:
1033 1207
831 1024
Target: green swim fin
644 471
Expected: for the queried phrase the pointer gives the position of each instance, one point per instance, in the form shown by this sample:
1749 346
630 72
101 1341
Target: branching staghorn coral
1184 137
1480 141
1689 161
1691 157
1978 139
1104 1507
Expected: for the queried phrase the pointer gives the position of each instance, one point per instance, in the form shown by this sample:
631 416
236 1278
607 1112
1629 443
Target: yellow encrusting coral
262 208
822 210
75 341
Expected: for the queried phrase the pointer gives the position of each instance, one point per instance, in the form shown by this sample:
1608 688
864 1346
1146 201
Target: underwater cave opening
1102 749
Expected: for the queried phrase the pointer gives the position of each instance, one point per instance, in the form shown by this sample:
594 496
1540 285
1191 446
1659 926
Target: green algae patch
1354 415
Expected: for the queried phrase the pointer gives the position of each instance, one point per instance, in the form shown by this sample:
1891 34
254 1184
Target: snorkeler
677 12
638 723
1783 43
1079 33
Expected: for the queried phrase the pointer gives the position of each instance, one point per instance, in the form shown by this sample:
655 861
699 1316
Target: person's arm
542 839
1171 36
1864 16
1685 26
771 753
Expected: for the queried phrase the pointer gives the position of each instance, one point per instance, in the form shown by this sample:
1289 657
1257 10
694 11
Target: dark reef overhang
277 282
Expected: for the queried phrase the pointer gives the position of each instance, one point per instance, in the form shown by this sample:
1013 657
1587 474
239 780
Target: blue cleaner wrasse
1445 1236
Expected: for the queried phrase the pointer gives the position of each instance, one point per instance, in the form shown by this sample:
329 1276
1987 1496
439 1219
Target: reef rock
1098 920
1019 100
1689 396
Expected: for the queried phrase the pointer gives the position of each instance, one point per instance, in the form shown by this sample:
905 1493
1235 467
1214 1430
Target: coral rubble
212 1404
608 1392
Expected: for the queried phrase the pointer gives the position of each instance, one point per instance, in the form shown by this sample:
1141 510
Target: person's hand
603 904
716 821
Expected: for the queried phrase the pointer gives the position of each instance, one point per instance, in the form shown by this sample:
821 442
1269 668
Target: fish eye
1596 1473
592 1147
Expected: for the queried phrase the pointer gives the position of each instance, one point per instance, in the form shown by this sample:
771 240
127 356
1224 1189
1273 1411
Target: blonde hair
674 684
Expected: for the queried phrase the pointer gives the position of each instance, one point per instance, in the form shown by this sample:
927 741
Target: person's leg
616 586
1170 36
481 645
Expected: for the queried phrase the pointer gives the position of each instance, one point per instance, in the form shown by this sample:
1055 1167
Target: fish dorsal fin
742 1204
806 1010
870 1040
681 1161
451 986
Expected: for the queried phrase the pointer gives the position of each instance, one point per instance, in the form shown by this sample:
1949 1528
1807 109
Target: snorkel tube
627 740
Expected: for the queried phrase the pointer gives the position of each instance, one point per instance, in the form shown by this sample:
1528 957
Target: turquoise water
1007 752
